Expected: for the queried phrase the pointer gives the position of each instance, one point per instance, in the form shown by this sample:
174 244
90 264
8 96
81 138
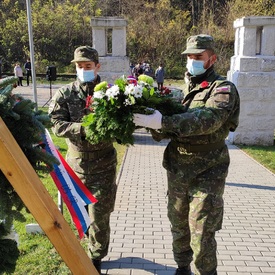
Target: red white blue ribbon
73 192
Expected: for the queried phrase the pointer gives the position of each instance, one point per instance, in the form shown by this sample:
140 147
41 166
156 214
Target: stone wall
252 70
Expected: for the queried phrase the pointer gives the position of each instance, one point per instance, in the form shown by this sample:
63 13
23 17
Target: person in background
96 164
159 74
197 158
138 70
28 69
132 66
148 70
19 73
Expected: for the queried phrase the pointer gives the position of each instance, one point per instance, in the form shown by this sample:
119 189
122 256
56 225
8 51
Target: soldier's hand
152 121
157 135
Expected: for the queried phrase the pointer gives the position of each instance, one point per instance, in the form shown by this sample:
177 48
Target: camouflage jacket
67 108
212 110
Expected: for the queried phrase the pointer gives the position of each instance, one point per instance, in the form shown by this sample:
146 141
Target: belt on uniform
188 149
90 155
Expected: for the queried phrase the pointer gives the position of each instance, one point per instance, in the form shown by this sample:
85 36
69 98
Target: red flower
165 91
204 84
89 101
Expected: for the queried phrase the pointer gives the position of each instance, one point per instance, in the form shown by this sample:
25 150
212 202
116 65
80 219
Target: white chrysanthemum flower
112 92
129 89
127 102
138 91
135 90
99 94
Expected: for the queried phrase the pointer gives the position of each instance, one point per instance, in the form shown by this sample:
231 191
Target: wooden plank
35 196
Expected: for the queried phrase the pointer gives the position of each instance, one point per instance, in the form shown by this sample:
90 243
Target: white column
119 42
247 41
252 70
99 40
268 40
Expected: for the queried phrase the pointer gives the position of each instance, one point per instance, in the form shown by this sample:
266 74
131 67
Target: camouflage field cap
85 53
198 44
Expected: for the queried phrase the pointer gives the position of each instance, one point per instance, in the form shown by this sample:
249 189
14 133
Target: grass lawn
263 154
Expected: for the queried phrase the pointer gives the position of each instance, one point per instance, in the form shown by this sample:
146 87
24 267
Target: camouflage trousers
99 175
104 189
195 210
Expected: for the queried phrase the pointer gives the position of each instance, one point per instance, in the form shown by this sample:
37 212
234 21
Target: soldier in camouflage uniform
96 164
197 158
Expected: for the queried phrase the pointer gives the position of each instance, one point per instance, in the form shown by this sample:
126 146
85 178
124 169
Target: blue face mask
195 67
85 76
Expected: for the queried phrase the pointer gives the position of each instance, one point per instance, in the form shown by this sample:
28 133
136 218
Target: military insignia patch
222 96
223 89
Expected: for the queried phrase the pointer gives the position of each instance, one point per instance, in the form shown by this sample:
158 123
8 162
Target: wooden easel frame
21 175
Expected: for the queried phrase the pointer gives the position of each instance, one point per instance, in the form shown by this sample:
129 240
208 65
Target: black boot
185 270
97 265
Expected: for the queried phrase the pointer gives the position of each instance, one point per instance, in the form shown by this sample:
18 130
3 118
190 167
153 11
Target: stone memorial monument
109 39
252 70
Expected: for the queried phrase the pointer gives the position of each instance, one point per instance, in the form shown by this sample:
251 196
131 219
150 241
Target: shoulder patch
223 89
222 96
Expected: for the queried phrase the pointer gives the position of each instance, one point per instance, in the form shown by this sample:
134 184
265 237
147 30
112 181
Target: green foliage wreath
26 126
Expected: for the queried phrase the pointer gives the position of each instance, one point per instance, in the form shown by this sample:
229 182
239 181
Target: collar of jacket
194 86
210 75
86 88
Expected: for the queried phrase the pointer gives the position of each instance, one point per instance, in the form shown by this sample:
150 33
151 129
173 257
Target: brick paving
140 236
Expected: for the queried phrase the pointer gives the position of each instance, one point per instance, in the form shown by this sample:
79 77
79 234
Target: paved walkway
141 238
43 92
